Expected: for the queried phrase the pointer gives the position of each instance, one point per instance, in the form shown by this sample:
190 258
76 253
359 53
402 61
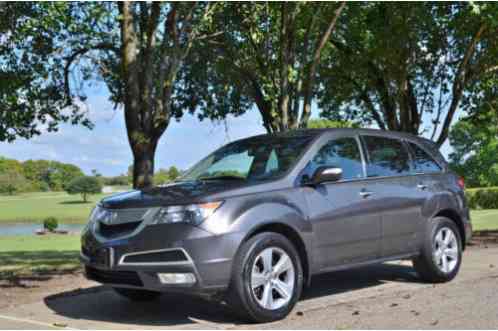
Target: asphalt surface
388 296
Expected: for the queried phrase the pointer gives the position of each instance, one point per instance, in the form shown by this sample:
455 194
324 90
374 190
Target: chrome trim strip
188 262
111 257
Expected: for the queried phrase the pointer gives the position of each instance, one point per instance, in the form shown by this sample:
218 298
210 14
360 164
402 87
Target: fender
248 216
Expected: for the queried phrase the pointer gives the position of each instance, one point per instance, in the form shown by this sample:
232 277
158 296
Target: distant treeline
45 175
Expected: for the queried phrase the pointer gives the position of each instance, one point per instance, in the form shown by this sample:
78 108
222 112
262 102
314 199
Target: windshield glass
259 158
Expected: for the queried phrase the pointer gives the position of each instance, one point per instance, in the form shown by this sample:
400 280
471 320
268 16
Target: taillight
461 182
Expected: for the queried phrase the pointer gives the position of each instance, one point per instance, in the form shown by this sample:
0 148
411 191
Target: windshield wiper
224 177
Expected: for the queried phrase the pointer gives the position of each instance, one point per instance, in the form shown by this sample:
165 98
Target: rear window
422 161
386 157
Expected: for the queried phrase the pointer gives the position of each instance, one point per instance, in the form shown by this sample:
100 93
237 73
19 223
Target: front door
346 223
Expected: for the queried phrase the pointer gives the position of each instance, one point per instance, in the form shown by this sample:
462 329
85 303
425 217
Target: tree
328 124
85 186
173 172
11 182
55 175
29 100
136 49
164 176
410 68
475 145
265 55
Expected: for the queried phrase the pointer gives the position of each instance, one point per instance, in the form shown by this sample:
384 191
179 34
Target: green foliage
32 89
51 175
164 176
482 198
85 186
50 224
409 68
330 124
12 182
264 56
475 147
117 181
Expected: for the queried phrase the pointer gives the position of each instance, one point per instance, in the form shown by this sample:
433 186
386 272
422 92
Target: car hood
173 194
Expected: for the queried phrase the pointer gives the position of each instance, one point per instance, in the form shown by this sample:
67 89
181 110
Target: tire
430 264
249 268
137 295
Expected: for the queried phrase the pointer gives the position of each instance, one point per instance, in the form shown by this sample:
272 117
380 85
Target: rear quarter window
423 162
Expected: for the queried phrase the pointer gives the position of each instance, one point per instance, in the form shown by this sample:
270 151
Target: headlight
191 214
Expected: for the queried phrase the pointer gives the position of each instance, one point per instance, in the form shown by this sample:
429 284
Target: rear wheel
267 279
441 255
137 295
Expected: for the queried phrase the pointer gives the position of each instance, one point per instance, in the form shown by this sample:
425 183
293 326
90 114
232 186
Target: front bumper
207 256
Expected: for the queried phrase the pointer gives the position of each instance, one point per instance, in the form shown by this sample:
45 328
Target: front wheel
441 255
267 278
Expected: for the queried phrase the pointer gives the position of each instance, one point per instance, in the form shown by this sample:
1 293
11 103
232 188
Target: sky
106 149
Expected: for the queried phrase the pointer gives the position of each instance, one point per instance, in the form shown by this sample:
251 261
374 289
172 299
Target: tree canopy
85 186
32 93
398 67
475 145
265 55
410 67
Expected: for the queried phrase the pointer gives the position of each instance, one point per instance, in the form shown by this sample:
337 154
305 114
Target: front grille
129 215
157 257
114 277
117 230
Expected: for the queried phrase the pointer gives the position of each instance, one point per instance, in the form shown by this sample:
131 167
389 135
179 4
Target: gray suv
252 222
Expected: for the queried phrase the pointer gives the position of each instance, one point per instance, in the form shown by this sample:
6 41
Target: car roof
319 132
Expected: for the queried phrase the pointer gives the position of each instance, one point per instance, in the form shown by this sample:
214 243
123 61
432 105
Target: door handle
365 194
421 187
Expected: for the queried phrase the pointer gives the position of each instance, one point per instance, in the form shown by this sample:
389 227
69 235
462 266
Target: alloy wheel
445 250
273 278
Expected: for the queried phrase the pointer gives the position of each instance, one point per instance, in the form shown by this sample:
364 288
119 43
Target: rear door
399 201
346 223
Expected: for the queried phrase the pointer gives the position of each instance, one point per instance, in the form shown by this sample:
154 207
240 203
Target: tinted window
250 159
386 157
342 153
423 162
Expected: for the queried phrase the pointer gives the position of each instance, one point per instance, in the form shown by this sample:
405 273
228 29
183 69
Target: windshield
259 158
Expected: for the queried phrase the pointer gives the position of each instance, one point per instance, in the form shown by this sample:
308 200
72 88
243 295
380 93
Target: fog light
176 278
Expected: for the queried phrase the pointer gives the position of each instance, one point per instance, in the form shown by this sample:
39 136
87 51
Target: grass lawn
486 219
34 207
28 255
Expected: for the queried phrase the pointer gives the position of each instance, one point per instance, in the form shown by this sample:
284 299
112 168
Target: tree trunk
143 166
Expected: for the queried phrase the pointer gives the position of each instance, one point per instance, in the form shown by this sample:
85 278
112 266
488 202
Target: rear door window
386 157
342 153
422 161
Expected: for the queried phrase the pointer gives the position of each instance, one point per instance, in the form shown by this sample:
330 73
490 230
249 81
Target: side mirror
326 174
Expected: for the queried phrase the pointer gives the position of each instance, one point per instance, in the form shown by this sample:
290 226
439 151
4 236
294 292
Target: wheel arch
295 238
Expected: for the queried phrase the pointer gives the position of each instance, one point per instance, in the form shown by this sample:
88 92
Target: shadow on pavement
101 304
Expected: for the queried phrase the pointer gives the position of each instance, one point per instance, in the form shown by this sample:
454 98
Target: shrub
85 186
50 224
483 198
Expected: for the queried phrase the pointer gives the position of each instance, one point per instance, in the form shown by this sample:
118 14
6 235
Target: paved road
388 296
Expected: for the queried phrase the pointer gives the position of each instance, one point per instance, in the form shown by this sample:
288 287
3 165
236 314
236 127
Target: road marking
22 320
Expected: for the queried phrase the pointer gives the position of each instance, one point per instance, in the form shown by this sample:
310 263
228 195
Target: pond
16 229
